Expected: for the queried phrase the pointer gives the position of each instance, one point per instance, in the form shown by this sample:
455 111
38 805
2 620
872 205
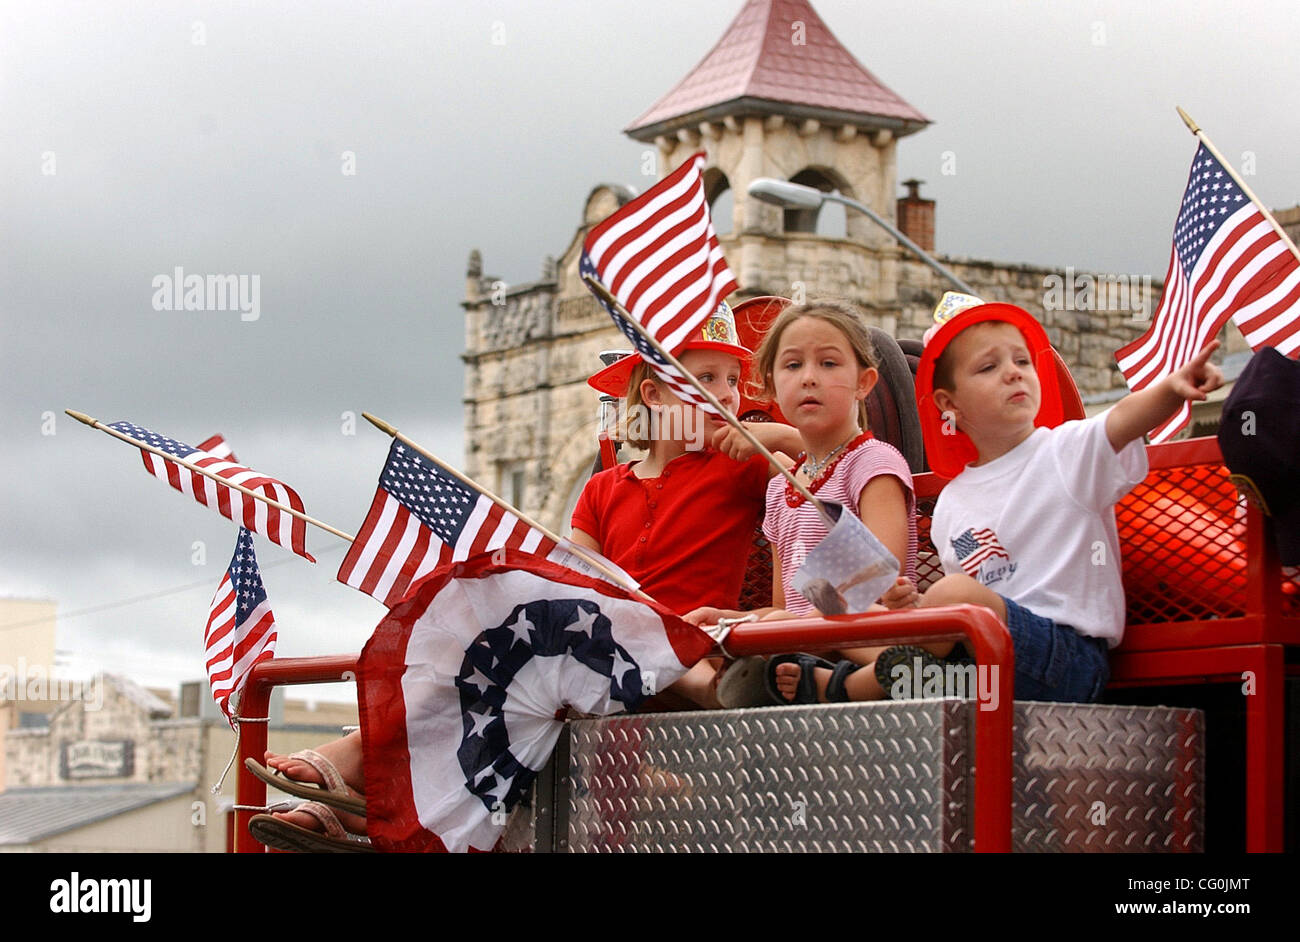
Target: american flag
660 257
241 628
1227 261
282 528
975 546
422 517
849 562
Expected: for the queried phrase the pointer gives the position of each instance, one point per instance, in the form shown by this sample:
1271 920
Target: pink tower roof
756 68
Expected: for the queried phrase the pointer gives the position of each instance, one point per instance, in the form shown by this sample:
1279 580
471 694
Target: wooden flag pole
1209 145
95 423
734 422
569 544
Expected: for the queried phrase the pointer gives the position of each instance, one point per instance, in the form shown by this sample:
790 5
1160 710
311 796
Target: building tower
779 96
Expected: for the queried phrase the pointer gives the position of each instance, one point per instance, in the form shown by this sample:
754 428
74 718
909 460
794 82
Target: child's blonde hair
843 316
634 404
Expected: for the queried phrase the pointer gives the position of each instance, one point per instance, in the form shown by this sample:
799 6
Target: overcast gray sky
136 137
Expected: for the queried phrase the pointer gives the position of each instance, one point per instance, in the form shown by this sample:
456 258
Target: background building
105 765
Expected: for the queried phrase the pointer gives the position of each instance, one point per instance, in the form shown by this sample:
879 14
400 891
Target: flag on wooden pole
422 517
660 257
1228 261
281 528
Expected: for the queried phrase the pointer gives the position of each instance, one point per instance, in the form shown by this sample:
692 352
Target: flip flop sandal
334 792
744 684
806 692
907 656
284 835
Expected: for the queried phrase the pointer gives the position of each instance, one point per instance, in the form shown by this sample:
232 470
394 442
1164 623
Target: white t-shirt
1038 525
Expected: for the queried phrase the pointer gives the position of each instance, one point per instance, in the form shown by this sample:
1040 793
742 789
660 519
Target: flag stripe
383 569
362 551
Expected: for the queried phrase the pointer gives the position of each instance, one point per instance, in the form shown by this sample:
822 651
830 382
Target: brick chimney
916 216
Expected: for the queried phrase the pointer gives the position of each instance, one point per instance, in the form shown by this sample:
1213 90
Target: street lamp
789 195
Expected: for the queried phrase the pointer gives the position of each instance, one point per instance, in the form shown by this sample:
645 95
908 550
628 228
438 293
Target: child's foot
802 678
345 754
789 674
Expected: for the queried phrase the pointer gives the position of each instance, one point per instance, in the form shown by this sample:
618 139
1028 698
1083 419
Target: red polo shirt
685 535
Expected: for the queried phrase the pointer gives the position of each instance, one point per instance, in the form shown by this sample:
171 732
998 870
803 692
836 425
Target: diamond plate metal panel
1108 778
846 777
878 776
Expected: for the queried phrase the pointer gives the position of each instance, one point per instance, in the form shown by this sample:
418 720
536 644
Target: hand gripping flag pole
1201 136
189 466
591 559
609 300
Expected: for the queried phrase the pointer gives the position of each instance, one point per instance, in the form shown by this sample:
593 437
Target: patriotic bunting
462 685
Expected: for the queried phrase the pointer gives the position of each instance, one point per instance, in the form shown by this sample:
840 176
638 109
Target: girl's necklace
792 497
815 467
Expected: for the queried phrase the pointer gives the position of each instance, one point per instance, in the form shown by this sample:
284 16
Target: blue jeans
1055 662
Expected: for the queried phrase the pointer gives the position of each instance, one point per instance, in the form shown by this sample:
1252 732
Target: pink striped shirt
796 530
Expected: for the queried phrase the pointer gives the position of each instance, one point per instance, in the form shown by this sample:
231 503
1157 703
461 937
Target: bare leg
700 686
862 656
955 589
961 589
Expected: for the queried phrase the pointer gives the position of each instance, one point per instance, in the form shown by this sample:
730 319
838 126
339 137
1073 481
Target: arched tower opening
828 219
722 203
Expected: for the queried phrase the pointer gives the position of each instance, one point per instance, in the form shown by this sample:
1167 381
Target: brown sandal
335 792
284 835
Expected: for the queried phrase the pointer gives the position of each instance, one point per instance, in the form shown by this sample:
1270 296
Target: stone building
111 767
106 765
777 96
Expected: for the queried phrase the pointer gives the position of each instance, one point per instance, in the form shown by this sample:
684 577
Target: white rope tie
723 628
235 721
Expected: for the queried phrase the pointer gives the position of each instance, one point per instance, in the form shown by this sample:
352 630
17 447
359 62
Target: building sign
95 758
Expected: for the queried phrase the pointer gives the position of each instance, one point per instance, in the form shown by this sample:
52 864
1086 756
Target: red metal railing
1209 603
256 701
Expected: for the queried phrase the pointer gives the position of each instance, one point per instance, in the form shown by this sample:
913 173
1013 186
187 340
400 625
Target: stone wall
163 750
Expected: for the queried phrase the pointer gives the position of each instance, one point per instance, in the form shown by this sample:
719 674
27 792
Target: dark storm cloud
469 126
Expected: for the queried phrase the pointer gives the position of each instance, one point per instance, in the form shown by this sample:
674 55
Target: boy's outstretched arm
1140 412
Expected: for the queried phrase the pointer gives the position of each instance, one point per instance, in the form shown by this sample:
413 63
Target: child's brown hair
843 316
